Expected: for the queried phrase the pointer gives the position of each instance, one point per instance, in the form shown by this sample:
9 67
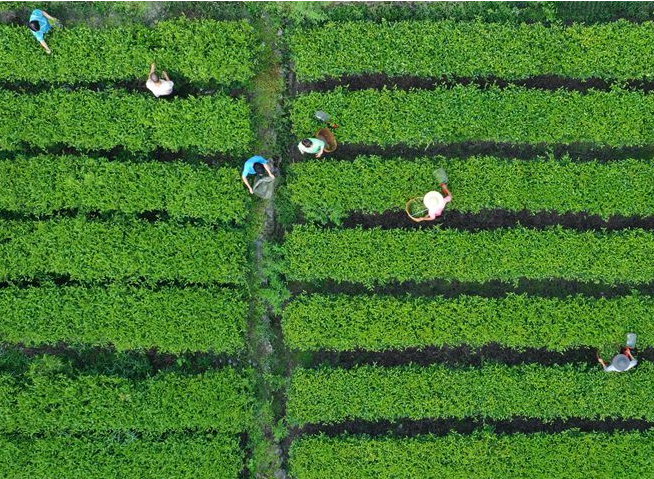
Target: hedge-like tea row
196 50
217 400
343 322
44 184
482 455
173 320
138 122
121 458
472 49
329 190
468 113
380 257
126 250
492 391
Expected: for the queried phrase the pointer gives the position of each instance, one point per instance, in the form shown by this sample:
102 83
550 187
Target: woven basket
326 135
415 207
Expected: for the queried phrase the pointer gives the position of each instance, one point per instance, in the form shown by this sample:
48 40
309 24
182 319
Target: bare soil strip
121 154
520 151
553 288
184 88
542 82
441 427
462 355
498 218
128 364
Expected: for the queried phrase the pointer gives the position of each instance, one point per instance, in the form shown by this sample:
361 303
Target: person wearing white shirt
158 86
620 362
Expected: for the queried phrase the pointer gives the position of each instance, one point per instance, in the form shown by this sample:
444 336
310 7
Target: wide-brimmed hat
434 200
620 362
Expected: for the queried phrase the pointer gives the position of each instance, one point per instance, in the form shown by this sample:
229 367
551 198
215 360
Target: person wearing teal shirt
257 165
40 25
312 146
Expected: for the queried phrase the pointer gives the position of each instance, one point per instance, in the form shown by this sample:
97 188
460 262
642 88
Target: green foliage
468 113
329 190
196 50
126 457
380 257
487 11
90 120
131 250
173 320
214 401
302 13
482 455
450 48
44 184
376 323
492 391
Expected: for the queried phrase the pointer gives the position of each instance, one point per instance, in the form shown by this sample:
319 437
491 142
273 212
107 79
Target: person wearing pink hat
435 203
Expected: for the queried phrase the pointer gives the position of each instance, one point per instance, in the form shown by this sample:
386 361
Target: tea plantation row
178 455
203 50
330 190
128 250
483 455
474 49
492 391
46 184
214 401
172 320
386 256
420 118
348 322
90 120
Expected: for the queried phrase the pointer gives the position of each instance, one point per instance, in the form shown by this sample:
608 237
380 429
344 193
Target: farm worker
312 146
158 86
40 25
620 362
435 203
257 165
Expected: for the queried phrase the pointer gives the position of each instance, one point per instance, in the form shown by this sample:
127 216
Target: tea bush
419 118
492 391
330 190
130 250
482 455
44 184
173 320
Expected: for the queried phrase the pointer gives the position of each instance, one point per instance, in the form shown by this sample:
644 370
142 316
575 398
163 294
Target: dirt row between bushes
380 81
441 427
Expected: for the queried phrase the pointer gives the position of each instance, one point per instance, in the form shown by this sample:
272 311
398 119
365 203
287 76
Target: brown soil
441 427
551 288
541 82
520 151
498 218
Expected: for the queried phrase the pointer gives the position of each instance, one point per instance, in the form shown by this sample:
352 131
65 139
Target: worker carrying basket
433 203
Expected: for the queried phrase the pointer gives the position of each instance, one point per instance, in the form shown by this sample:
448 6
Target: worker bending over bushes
257 165
620 362
158 86
313 146
40 25
435 203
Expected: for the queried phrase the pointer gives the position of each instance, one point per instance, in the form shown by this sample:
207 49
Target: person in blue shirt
257 165
40 25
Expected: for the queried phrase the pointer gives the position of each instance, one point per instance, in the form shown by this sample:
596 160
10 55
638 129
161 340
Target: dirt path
266 350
